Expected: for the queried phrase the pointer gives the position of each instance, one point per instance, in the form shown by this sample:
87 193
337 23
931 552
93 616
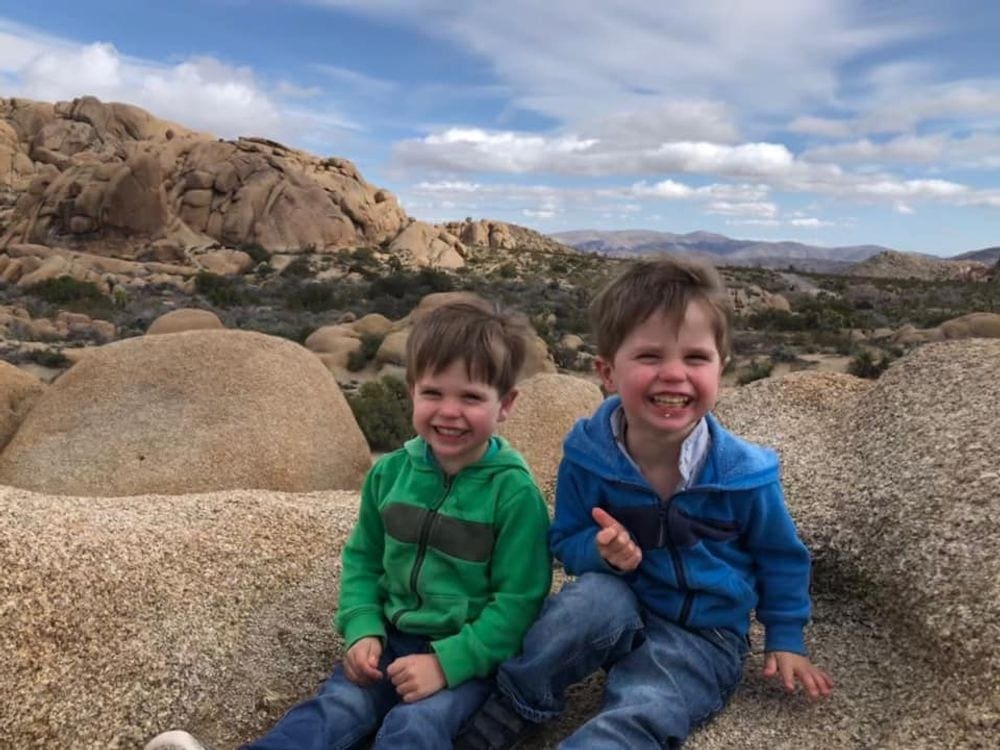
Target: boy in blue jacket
675 528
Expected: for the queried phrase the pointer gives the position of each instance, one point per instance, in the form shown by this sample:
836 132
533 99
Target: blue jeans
343 715
663 680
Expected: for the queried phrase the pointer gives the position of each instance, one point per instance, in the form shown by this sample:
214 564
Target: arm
573 536
783 605
521 574
359 612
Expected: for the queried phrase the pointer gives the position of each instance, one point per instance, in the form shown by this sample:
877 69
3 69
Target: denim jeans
343 715
663 680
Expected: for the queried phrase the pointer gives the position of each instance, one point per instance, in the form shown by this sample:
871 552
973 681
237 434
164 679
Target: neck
653 449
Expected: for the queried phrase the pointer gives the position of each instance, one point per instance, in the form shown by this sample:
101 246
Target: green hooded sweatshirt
462 560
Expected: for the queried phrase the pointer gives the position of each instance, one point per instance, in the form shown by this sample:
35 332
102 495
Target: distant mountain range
988 255
718 248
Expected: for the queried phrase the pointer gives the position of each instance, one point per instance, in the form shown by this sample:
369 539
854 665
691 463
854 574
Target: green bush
299 268
314 296
48 357
863 365
256 252
384 413
357 360
756 370
64 289
220 291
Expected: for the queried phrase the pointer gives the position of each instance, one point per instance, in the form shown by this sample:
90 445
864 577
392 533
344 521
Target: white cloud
201 93
810 222
905 149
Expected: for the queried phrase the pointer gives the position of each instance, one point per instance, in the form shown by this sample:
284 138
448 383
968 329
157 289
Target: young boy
675 528
448 564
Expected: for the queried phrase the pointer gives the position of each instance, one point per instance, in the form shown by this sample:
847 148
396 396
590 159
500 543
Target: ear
607 372
506 404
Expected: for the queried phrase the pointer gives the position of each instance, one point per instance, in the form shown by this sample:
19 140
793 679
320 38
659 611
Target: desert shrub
298 268
357 360
383 411
783 353
220 291
756 370
63 289
864 365
256 252
314 296
48 357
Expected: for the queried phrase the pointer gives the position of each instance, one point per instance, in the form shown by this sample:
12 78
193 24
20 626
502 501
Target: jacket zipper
425 533
675 556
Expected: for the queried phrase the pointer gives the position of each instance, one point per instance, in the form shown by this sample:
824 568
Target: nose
671 369
449 408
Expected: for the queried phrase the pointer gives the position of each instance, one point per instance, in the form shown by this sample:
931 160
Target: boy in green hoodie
448 564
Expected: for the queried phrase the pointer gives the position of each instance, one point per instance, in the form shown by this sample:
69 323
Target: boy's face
456 415
667 374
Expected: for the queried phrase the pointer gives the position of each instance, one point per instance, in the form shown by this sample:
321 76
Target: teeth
449 431
669 400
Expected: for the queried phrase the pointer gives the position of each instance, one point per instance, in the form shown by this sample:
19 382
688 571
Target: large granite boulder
18 392
122 617
188 412
185 319
547 405
893 484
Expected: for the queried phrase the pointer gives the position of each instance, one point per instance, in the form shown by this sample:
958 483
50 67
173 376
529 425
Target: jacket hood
734 464
503 458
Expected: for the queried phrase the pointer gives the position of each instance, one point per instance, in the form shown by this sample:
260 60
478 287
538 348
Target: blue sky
833 122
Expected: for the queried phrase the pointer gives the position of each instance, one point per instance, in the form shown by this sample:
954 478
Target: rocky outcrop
336 343
112 180
547 406
18 392
185 319
17 324
972 325
894 265
497 235
899 503
189 412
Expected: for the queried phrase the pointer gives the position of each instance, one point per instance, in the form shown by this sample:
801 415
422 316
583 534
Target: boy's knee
597 598
418 716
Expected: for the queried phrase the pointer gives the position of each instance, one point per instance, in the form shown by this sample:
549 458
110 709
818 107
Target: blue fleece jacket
711 553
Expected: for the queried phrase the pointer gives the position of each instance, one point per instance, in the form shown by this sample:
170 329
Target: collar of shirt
694 449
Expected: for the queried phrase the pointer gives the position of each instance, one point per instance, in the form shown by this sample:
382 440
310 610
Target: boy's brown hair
492 343
667 285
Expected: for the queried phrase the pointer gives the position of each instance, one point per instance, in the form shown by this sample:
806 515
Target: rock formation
185 319
336 343
899 503
18 392
895 265
972 325
112 180
189 412
547 405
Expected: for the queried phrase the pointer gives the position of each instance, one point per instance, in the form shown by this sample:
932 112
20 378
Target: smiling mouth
671 402
449 431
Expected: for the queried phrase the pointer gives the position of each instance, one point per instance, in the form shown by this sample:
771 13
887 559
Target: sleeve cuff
363 625
785 638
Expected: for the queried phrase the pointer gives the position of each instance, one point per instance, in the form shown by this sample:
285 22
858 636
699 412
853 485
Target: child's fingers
770 665
604 519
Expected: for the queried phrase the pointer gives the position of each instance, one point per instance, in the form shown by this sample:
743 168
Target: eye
474 397
430 393
699 357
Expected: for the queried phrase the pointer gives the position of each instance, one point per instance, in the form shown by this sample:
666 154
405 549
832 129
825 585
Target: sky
830 122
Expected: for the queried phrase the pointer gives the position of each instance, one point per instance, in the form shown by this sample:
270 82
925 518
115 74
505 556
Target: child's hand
791 667
614 543
361 661
417 676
